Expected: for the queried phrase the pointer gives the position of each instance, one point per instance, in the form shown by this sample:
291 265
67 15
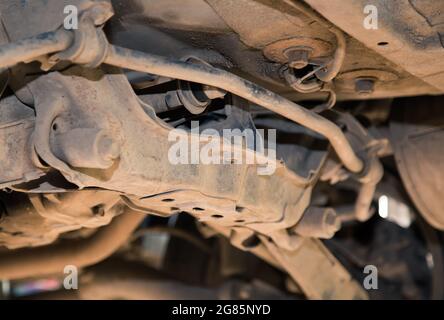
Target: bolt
297 57
364 85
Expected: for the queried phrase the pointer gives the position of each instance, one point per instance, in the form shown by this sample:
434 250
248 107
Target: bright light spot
383 207
429 259
6 288
394 211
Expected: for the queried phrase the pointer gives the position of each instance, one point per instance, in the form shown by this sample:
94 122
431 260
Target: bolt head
364 85
297 57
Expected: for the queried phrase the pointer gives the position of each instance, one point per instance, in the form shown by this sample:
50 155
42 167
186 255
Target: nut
298 57
364 85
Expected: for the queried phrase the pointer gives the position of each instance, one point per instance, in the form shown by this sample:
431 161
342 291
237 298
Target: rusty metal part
370 177
378 74
313 85
88 48
318 222
408 33
364 85
397 48
365 81
361 210
126 58
196 97
287 25
232 194
281 51
47 15
162 102
30 49
139 61
252 209
417 135
369 181
130 59
210 229
298 57
16 127
46 260
195 100
300 84
316 271
213 92
86 147
332 68
86 45
329 104
39 219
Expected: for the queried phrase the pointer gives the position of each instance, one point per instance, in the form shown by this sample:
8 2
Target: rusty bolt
364 85
297 57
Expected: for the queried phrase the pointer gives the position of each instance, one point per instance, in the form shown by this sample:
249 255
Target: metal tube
139 61
31 48
338 59
363 210
33 262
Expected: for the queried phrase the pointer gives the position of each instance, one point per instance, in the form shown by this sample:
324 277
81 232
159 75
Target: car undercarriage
221 149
